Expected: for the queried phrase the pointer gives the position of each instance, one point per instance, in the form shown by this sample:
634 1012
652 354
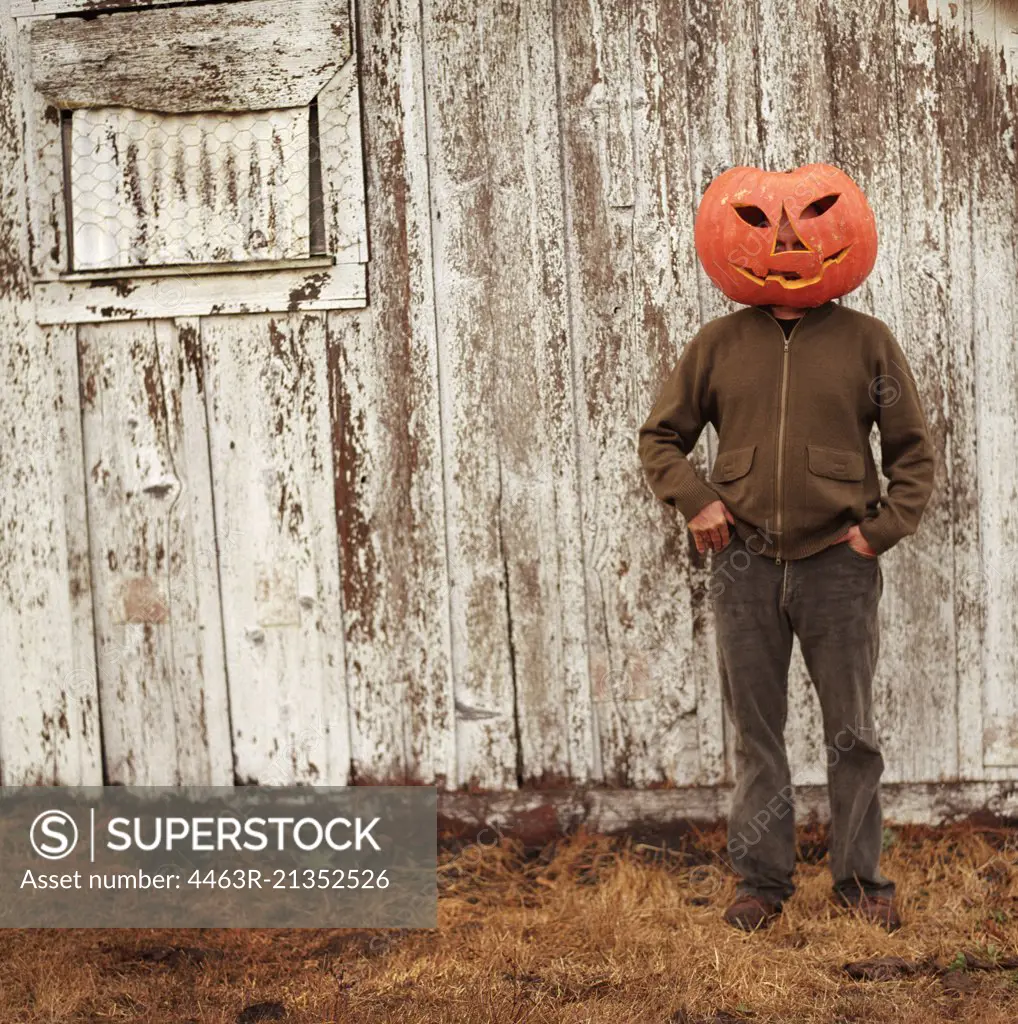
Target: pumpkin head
791 238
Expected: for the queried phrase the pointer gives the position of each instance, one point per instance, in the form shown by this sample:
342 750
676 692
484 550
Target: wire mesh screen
148 189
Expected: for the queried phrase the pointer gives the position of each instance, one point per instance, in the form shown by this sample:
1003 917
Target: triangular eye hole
819 206
753 216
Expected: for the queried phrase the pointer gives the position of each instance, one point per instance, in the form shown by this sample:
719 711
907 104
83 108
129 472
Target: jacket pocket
732 465
833 491
835 463
737 479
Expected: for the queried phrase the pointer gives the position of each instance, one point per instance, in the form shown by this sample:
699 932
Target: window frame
335 279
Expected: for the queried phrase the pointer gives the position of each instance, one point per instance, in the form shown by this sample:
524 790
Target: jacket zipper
781 428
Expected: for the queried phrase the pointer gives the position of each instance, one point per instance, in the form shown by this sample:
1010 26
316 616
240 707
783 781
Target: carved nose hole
785 238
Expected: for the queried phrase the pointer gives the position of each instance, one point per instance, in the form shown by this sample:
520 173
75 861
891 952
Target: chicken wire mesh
148 189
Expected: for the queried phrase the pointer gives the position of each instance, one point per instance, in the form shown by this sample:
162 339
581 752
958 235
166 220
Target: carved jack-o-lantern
791 238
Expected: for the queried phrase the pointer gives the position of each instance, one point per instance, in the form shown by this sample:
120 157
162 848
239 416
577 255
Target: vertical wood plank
794 84
955 73
266 390
860 44
632 276
994 230
917 610
667 308
515 557
722 73
384 387
199 659
43 168
158 629
724 132
49 729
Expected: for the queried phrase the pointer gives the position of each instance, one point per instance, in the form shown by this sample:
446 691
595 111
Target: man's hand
857 542
710 527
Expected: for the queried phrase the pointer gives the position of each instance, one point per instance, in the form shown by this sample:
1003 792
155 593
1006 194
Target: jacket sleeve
906 449
672 429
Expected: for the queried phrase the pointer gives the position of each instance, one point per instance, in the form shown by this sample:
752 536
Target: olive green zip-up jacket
793 418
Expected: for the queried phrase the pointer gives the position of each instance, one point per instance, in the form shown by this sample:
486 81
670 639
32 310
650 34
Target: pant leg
833 601
754 644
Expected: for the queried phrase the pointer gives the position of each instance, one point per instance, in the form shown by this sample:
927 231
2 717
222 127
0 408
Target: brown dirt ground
586 929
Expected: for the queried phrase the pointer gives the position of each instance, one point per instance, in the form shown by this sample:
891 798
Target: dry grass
588 929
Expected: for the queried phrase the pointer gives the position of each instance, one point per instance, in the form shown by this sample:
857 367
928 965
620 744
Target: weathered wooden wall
489 595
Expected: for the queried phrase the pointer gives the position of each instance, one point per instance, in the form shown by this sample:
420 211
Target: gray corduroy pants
829 601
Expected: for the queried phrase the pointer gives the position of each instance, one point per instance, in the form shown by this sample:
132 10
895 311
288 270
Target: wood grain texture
256 55
50 732
994 301
386 436
159 636
513 527
955 76
633 294
141 298
43 170
865 117
49 729
683 713
917 612
35 8
266 392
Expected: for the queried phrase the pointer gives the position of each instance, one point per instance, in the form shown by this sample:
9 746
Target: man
794 517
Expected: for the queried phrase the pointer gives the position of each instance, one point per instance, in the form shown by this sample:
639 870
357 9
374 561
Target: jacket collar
812 312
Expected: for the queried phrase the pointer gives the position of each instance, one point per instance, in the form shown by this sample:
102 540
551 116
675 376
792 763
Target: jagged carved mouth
789 278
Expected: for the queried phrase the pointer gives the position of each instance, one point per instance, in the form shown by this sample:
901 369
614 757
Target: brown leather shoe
750 912
875 908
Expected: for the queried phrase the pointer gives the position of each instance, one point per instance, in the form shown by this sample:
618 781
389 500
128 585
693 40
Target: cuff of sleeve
693 496
880 532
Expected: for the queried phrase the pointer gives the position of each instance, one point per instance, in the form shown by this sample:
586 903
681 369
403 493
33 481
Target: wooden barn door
213 549
192 229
